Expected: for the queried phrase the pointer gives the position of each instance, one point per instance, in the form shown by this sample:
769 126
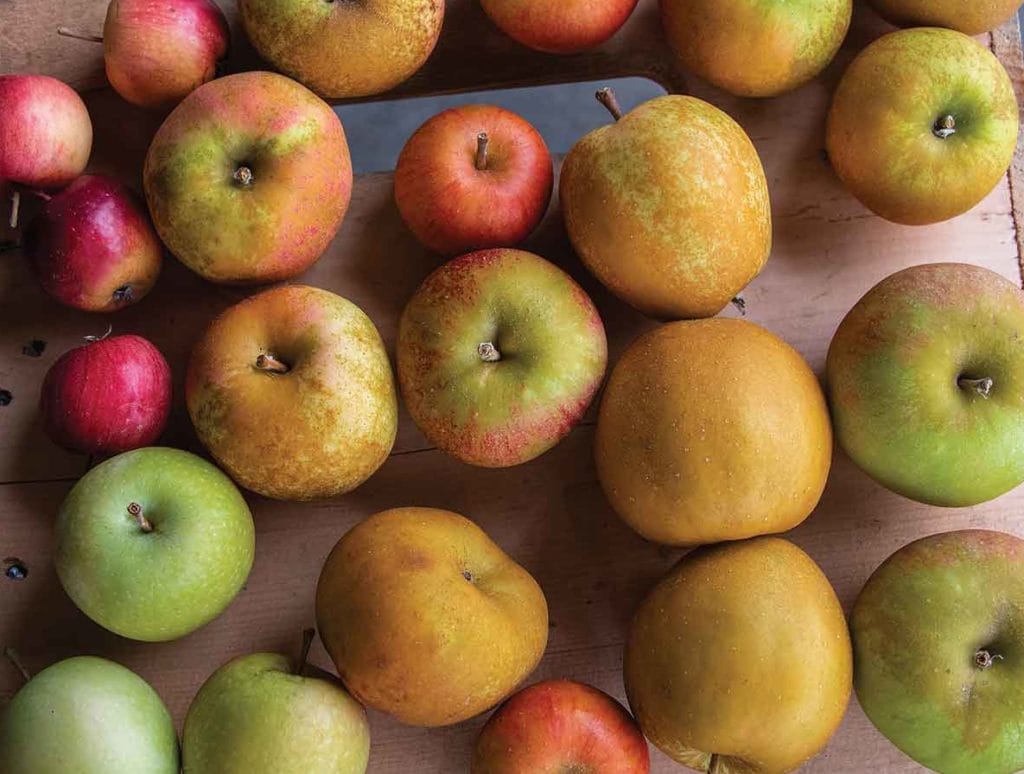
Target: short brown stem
15 208
243 176
271 364
606 97
135 510
12 655
981 386
69 33
307 643
945 127
482 141
488 352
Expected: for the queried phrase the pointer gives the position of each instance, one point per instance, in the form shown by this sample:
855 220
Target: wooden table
549 514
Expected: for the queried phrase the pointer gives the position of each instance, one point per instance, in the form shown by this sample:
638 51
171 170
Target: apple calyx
243 176
307 643
124 294
984 660
70 33
488 352
944 127
981 386
12 655
482 140
606 97
271 364
135 510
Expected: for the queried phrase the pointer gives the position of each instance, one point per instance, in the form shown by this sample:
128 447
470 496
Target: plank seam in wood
1006 45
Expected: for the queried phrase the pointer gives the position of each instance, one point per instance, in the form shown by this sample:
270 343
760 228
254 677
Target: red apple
473 177
92 246
561 726
564 27
108 396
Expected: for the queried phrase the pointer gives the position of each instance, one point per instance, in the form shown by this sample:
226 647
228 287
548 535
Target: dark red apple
108 396
561 726
473 177
92 246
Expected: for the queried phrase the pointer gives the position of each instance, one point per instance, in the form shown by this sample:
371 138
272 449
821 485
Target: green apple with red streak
249 178
499 354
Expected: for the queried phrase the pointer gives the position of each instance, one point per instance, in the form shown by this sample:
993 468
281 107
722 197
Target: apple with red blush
473 177
561 726
107 396
564 27
92 246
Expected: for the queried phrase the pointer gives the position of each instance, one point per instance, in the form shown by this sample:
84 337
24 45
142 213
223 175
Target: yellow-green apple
567 27
669 207
426 618
499 356
938 634
687 454
923 125
344 48
926 384
264 714
154 543
739 660
87 715
92 246
108 396
249 178
756 49
971 17
561 726
473 177
292 392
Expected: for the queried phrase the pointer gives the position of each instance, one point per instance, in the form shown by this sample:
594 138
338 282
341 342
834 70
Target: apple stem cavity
70 33
92 339
271 364
606 97
243 176
136 512
307 643
482 141
984 660
12 655
15 209
488 352
944 127
981 386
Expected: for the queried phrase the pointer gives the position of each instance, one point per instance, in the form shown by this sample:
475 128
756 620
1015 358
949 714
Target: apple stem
144 524
92 339
981 386
243 176
488 352
15 208
12 655
307 643
69 33
482 140
271 364
944 127
606 97
715 765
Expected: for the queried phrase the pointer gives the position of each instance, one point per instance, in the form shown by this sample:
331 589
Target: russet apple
92 246
426 618
108 396
739 660
291 390
499 356
971 17
473 177
712 430
755 49
926 384
669 207
249 178
938 635
558 727
566 27
87 715
344 48
154 543
923 125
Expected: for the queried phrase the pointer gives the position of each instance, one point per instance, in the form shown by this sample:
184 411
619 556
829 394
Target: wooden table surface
549 514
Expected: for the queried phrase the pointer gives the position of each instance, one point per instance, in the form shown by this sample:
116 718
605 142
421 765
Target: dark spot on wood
5 397
34 348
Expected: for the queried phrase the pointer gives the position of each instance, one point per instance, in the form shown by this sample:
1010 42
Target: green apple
87 715
926 384
154 543
938 639
262 714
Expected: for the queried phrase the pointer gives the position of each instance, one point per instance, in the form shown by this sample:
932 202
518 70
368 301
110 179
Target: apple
739 660
561 726
925 378
923 125
154 543
108 396
249 178
473 177
87 715
263 714
426 618
712 430
971 17
344 49
567 27
499 355
937 633
756 49
291 390
92 246
668 207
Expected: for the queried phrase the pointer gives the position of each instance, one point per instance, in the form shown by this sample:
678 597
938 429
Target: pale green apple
87 715
154 543
258 714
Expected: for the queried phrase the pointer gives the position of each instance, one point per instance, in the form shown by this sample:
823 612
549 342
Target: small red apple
108 396
473 177
561 726
92 246
564 27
